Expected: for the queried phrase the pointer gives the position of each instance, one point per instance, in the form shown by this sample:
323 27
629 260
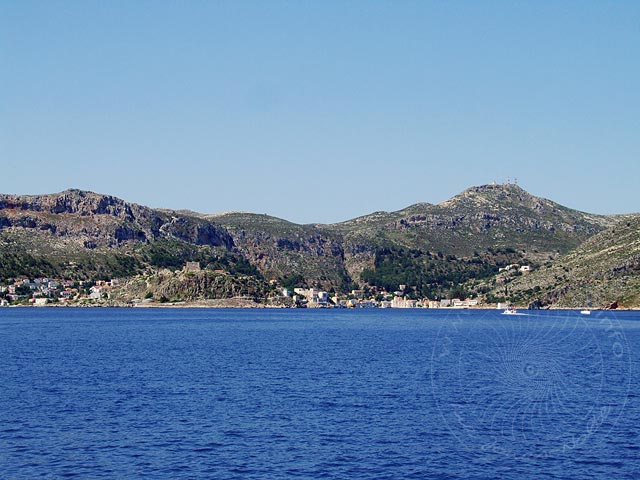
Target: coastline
242 303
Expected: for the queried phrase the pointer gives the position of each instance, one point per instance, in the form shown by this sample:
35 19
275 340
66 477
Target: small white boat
587 304
510 311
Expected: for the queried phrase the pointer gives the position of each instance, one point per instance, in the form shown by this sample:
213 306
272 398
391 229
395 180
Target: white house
399 302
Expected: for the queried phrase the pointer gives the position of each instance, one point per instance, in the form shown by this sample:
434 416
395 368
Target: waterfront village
314 298
50 292
46 291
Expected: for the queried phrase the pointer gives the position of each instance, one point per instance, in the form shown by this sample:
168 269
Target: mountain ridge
434 247
106 200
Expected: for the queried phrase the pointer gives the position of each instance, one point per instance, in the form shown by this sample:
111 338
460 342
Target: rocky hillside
81 235
488 216
602 272
295 254
433 248
469 236
178 286
93 220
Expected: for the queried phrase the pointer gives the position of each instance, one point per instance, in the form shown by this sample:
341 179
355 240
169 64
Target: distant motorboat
510 311
587 309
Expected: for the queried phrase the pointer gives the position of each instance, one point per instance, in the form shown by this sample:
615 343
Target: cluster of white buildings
314 298
515 267
102 289
454 303
35 289
41 291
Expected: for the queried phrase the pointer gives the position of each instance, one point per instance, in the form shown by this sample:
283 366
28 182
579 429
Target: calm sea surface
255 394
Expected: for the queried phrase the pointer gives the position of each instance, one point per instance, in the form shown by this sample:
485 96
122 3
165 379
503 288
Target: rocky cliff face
280 249
70 201
104 221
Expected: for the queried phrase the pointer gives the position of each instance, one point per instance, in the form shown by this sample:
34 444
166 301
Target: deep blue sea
364 394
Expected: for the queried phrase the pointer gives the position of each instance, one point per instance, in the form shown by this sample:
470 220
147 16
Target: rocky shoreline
241 303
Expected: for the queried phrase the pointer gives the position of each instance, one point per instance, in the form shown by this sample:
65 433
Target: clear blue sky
319 111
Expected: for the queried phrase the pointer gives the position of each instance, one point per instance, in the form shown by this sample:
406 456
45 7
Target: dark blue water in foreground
141 393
